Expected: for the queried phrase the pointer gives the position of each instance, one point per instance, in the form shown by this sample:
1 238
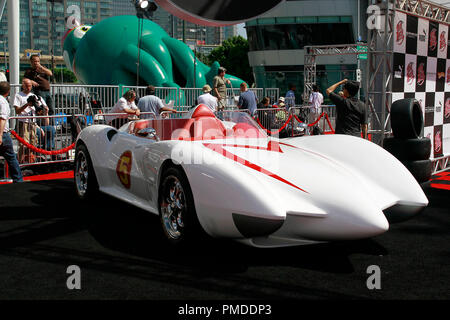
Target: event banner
422 71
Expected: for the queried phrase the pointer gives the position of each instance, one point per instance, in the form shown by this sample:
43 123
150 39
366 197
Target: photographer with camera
40 78
28 105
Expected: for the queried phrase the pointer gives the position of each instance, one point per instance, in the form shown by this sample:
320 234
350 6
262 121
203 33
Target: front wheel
84 175
177 214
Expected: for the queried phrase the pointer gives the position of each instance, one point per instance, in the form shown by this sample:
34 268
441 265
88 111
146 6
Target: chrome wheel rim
81 174
173 207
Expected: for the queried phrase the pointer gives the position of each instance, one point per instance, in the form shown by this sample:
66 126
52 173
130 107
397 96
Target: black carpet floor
44 229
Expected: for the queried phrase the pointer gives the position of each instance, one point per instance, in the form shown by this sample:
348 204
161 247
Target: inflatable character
107 53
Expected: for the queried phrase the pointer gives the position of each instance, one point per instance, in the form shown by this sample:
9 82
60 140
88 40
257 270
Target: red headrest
203 111
142 124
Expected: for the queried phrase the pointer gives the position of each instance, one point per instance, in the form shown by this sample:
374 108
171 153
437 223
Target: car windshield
225 124
234 120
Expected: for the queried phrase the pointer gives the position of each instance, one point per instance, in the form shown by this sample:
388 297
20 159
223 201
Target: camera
34 100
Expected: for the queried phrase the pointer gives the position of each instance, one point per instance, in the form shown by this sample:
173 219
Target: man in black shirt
40 77
351 112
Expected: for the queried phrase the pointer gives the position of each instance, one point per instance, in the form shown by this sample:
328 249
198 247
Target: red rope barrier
317 121
311 124
277 132
42 151
329 123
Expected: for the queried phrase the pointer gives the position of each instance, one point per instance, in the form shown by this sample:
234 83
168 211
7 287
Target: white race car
230 179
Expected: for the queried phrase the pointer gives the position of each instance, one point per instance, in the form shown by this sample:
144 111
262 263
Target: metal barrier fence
45 139
235 92
84 99
273 94
90 99
170 95
326 123
118 119
171 115
273 120
80 99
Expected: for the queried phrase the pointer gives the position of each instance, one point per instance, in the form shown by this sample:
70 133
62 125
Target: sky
442 2
241 30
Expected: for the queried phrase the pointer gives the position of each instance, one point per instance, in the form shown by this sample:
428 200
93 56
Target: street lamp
52 33
144 8
142 4
195 52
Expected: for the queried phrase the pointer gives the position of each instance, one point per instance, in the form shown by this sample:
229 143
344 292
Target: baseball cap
206 88
281 99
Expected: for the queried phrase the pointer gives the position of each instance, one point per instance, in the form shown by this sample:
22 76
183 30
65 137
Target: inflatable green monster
107 53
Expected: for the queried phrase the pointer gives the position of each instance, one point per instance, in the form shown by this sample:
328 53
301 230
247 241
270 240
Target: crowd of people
351 112
34 103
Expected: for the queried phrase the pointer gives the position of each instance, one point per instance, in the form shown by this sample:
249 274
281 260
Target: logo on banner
423 37
399 73
433 39
443 41
447 109
400 33
410 73
437 142
421 74
448 75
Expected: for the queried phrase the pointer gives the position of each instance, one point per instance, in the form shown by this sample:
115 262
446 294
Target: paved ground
44 229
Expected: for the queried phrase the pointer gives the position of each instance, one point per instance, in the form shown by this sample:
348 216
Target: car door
127 167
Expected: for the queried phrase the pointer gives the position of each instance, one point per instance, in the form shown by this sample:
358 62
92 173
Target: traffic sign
362 56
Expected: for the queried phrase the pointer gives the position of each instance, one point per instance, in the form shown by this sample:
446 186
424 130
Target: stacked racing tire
407 145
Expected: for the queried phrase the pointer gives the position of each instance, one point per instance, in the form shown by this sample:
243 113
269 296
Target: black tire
408 149
187 230
86 184
406 119
421 170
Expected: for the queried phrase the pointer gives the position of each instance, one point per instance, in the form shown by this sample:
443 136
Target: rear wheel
408 149
84 175
406 119
177 214
421 170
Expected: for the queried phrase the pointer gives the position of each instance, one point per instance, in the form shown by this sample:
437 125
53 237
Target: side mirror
148 133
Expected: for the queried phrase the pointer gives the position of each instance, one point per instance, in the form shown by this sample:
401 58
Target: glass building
42 25
277 42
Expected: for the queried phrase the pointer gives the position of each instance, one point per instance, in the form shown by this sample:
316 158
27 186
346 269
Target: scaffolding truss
310 65
424 9
379 72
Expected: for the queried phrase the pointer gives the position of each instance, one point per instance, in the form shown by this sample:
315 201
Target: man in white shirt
27 126
316 101
208 99
6 144
2 76
152 103
126 107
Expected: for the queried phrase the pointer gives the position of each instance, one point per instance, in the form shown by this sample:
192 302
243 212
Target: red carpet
441 181
50 176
